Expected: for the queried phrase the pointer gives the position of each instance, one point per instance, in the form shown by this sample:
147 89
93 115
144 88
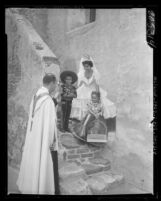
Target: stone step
70 170
78 168
77 186
96 184
81 172
99 161
74 150
92 169
68 141
101 183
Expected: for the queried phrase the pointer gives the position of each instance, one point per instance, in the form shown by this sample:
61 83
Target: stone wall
43 20
117 43
25 71
74 150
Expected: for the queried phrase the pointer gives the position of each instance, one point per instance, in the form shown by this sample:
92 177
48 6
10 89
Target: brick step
104 181
74 150
70 170
77 186
96 165
93 185
92 169
83 169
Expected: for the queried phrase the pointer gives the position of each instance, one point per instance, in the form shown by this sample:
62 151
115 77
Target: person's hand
75 84
72 95
81 83
96 84
55 145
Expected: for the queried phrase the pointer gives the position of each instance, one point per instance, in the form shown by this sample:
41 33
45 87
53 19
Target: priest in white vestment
36 170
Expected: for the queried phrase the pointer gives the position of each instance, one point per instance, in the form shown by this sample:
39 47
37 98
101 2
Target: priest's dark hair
48 78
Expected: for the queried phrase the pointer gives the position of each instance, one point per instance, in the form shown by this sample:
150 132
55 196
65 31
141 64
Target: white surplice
36 170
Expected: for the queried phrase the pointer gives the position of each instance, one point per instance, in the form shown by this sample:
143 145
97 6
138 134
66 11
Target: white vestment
36 170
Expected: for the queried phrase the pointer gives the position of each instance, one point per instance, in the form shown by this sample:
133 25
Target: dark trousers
66 110
111 124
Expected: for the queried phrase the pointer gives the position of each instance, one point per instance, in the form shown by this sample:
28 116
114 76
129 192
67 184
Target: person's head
48 62
87 65
68 80
68 77
95 96
49 81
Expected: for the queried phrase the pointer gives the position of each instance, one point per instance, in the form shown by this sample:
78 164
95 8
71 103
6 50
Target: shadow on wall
70 64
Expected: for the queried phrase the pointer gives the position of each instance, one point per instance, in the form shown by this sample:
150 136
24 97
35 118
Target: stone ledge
99 161
73 149
70 170
74 156
87 155
92 169
102 182
82 150
75 187
68 141
96 186
36 43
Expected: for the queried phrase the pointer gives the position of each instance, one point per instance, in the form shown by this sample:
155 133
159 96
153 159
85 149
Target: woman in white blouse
88 81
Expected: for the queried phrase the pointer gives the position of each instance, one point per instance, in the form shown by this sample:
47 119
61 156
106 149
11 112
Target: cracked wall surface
117 43
25 71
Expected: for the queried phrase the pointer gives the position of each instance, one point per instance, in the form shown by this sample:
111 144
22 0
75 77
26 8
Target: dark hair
48 78
90 63
96 93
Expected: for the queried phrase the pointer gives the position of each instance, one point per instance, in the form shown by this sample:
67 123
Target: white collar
42 90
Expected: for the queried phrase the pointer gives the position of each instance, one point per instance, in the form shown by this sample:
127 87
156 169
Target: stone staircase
82 169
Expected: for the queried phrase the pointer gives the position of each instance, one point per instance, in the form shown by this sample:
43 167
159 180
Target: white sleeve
80 78
97 78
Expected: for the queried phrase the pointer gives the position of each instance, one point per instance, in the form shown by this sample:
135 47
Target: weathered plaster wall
38 18
48 23
117 42
25 72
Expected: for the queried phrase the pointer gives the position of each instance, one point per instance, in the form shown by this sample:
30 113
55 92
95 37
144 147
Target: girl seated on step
93 122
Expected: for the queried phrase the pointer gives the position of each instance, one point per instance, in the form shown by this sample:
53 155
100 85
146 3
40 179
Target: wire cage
97 131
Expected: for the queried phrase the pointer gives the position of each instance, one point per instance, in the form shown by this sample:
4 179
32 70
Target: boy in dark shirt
67 95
